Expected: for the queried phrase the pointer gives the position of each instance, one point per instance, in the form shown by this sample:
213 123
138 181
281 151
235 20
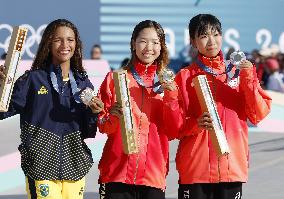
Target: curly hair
43 56
162 60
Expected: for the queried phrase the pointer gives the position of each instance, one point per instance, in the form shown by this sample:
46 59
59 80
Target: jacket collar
142 69
213 62
81 75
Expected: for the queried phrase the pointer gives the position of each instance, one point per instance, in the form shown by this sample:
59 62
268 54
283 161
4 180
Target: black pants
226 190
116 190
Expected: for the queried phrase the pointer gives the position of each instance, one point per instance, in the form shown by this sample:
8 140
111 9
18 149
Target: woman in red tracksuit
140 175
202 174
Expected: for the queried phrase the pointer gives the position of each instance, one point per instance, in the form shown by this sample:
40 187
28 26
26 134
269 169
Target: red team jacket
237 100
150 166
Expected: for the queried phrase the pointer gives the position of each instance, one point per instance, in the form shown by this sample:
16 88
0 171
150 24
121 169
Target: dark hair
162 60
43 57
3 56
199 24
124 62
97 46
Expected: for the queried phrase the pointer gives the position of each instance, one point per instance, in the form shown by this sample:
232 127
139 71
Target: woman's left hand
2 74
245 64
96 105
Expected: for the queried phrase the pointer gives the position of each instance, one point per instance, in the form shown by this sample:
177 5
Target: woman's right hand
116 109
205 121
171 86
2 74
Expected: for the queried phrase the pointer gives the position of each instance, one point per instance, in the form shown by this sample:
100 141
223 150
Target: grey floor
266 174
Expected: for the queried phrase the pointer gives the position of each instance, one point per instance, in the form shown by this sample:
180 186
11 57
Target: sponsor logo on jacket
42 91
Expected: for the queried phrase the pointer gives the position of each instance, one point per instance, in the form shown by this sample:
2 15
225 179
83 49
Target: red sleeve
108 123
178 122
172 114
257 101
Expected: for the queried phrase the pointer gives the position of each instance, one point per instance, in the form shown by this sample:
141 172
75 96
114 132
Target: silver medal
166 76
237 57
87 95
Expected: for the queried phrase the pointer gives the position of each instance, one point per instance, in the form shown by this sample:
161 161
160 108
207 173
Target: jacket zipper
138 137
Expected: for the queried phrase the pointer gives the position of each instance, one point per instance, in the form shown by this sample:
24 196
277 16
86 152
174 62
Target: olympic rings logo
33 38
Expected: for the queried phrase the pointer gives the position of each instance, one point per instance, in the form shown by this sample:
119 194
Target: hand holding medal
167 77
88 97
238 59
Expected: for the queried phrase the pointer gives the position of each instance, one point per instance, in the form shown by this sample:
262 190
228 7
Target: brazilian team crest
44 189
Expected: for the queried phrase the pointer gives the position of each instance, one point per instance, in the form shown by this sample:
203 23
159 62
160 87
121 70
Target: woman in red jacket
139 175
202 174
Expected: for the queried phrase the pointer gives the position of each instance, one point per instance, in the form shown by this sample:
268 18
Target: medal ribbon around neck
74 87
156 86
210 70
